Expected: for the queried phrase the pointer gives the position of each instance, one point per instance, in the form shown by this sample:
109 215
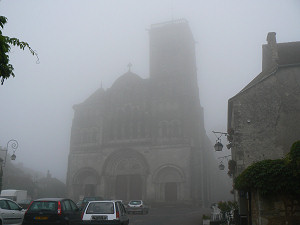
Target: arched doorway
128 172
129 186
168 179
89 184
85 182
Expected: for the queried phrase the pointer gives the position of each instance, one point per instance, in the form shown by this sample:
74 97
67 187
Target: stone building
145 138
265 115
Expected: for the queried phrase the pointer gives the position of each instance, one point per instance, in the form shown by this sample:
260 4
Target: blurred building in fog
145 138
265 115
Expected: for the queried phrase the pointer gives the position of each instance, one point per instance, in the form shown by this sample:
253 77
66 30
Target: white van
16 195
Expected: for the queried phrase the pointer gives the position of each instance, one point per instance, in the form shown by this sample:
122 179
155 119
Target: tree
6 69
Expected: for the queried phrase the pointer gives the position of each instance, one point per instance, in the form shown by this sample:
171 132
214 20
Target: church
145 138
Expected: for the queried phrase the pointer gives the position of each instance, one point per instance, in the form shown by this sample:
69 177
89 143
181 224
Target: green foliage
6 69
273 177
231 167
227 208
294 154
205 217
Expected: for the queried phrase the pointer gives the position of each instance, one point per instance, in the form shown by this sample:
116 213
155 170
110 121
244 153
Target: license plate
99 217
41 217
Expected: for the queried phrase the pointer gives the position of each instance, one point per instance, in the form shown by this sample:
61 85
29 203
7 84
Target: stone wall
275 211
265 118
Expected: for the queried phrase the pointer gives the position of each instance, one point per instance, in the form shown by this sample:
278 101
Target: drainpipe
259 207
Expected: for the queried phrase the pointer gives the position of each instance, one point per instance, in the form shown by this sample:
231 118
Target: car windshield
43 206
135 202
100 208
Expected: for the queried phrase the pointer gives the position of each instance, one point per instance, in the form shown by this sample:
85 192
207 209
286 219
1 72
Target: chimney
270 52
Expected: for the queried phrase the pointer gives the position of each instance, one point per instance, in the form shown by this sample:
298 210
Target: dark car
61 211
25 203
86 200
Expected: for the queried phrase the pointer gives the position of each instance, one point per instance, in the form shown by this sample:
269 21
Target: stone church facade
145 138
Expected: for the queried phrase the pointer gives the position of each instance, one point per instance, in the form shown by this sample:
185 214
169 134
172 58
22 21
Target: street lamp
221 166
218 146
13 144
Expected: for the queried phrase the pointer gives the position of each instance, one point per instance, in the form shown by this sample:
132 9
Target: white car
10 212
105 212
137 206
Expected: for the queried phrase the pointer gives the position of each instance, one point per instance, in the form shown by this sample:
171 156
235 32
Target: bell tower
172 52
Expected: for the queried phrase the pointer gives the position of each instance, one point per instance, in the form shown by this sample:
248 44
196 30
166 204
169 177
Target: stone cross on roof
129 66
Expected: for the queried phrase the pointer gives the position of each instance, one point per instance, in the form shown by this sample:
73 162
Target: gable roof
288 55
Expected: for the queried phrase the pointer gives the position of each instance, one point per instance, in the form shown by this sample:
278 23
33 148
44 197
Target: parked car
52 211
87 199
25 203
137 206
10 212
105 212
79 203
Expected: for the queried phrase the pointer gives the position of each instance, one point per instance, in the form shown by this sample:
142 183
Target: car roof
6 199
50 199
92 197
104 201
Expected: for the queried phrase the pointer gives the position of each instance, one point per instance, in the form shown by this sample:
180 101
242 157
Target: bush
205 217
273 177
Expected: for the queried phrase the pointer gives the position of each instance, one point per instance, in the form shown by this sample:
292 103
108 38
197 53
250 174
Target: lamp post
13 144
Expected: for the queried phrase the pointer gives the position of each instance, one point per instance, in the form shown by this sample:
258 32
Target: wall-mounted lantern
221 166
218 146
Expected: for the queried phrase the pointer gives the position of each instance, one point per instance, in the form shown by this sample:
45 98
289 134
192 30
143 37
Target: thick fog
84 44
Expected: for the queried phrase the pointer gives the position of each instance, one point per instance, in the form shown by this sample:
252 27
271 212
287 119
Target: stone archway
86 182
169 180
125 174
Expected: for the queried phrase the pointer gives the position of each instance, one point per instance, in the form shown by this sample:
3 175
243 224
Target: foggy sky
83 43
